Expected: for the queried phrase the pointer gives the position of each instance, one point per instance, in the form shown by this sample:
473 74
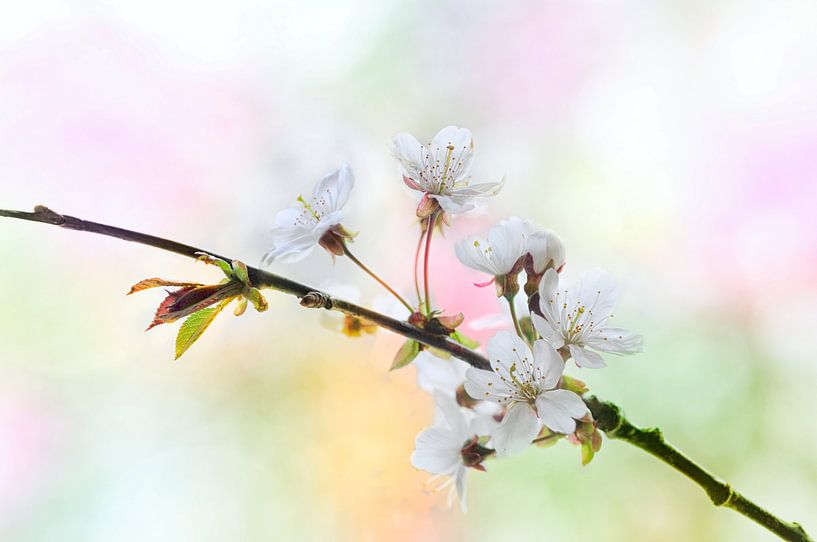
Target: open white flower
450 445
525 383
579 318
498 255
440 170
298 229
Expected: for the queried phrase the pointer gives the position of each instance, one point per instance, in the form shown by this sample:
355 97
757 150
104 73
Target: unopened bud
463 399
332 242
546 251
427 206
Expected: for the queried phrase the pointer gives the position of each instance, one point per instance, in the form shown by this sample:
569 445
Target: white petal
597 292
548 331
459 482
332 192
289 245
550 363
616 340
453 204
409 152
505 350
436 452
479 190
558 408
471 252
450 413
548 300
584 357
517 430
451 135
484 423
486 386
507 242
434 373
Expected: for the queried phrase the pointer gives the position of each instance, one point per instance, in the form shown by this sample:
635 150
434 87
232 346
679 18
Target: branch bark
610 418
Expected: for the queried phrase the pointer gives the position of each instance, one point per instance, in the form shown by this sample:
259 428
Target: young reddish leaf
156 282
164 307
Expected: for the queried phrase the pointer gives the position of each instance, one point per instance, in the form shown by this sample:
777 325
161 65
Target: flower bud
427 207
544 251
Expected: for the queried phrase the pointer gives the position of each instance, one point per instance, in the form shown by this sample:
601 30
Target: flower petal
332 192
474 252
410 153
558 410
584 357
517 430
548 331
616 340
436 452
435 373
486 386
550 364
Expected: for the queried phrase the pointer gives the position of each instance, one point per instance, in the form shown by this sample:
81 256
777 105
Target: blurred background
672 143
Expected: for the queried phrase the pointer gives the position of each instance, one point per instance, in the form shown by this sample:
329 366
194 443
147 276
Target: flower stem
609 417
371 273
546 438
509 299
432 220
416 263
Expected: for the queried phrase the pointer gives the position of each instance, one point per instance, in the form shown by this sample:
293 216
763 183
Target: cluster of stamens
436 175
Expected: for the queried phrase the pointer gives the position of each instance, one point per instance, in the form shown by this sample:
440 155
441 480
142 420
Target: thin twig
380 281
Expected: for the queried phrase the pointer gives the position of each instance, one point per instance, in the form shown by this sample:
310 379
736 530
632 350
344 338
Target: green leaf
225 267
405 355
574 384
254 296
587 452
194 326
467 342
436 352
240 272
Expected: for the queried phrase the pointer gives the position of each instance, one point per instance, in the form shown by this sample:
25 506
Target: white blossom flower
500 253
525 383
437 374
440 170
450 445
301 227
579 318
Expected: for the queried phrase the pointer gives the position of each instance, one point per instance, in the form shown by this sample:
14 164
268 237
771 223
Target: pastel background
673 143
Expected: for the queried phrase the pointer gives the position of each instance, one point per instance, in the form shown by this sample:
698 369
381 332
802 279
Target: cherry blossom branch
611 420
608 416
